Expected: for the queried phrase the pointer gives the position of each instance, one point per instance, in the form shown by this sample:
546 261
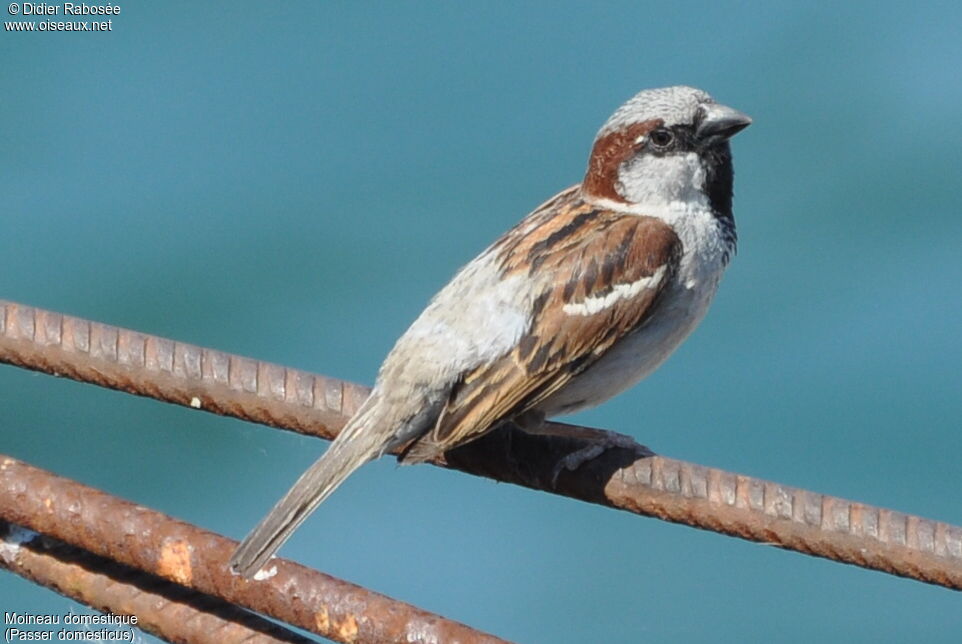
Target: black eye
661 138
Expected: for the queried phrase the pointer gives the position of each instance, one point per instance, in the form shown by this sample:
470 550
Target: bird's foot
601 441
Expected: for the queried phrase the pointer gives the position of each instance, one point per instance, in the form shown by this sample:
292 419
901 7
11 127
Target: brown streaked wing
589 252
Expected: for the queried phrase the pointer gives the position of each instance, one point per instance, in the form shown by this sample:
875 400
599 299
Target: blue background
292 181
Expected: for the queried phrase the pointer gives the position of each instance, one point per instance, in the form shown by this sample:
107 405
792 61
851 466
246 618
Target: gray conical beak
721 122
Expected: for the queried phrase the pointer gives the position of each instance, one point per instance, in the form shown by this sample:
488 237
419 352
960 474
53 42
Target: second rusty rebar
169 611
196 559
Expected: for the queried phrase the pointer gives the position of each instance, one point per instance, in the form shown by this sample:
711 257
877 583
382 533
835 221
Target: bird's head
664 146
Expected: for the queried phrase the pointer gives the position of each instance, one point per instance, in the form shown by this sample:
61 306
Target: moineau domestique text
69 618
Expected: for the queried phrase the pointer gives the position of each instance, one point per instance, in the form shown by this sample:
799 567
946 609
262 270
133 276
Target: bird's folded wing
603 273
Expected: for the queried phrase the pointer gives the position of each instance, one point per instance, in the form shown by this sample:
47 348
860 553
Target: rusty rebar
167 610
626 479
196 559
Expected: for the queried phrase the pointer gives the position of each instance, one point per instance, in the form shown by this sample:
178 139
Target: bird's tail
355 446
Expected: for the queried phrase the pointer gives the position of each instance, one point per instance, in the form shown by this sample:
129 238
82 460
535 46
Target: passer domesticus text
583 298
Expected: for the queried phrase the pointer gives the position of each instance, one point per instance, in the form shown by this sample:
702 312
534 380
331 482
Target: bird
583 298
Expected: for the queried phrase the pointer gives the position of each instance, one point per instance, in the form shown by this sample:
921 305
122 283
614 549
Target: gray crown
676 105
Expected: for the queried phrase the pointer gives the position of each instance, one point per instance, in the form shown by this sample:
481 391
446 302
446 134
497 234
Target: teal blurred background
292 181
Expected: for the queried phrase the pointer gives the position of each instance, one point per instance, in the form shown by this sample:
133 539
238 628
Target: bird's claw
608 440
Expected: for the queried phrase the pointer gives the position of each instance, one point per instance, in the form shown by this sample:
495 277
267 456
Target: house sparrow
583 298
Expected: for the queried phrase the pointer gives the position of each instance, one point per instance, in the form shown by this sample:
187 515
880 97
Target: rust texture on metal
727 503
175 372
628 479
196 559
169 611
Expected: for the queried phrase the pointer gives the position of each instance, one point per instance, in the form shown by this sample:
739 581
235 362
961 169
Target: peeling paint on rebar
174 562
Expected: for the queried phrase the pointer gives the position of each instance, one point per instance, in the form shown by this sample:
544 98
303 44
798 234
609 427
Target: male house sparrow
583 298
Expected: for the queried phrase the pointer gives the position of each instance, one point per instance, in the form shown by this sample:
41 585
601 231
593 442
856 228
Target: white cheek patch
592 305
652 180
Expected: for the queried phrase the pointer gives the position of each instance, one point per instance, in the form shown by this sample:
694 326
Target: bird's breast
678 311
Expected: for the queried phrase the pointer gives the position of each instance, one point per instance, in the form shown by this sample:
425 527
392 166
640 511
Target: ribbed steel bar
627 479
167 610
196 559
